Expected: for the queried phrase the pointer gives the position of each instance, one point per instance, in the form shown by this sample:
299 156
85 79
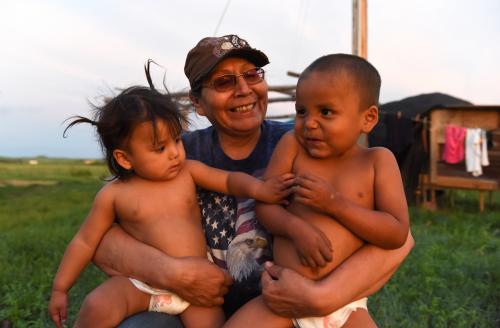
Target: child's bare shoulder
380 152
381 156
287 147
191 164
109 191
192 168
289 136
288 141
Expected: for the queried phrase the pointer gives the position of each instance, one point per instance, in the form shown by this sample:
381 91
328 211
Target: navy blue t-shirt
226 218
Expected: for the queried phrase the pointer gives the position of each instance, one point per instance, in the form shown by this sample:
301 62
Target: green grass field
451 278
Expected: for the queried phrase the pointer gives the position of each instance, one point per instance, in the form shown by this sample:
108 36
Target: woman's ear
370 119
197 104
121 158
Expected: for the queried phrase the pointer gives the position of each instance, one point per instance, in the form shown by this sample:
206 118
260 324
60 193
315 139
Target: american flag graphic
223 218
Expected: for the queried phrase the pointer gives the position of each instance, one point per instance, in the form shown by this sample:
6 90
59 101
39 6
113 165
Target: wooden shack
442 175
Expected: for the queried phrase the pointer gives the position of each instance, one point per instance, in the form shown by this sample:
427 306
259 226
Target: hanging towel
484 149
453 151
476 151
473 152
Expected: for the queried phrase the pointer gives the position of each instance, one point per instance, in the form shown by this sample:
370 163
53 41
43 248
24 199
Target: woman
228 87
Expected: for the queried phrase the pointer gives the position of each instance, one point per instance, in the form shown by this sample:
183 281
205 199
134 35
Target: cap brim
257 57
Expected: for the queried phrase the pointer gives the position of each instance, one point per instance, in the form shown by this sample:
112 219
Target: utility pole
359 41
359 28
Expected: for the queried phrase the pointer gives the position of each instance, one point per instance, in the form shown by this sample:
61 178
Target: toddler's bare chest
154 204
353 179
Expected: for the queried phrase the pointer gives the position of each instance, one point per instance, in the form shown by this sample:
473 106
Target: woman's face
239 110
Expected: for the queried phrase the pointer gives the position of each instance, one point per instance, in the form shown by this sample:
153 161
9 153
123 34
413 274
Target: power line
301 23
222 17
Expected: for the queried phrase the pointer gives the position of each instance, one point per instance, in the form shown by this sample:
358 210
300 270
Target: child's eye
160 149
326 111
178 139
300 111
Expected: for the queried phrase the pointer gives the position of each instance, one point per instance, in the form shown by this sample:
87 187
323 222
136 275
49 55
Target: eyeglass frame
260 72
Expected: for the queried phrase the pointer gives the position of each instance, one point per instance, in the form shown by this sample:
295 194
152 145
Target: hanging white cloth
484 149
476 151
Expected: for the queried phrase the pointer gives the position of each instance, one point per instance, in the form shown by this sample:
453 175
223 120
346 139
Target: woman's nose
241 86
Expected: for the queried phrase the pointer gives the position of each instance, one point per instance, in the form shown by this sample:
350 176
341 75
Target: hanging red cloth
454 138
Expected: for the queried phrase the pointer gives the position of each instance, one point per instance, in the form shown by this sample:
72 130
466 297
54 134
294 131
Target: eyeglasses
227 82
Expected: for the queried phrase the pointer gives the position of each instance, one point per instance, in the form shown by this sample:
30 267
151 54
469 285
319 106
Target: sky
57 56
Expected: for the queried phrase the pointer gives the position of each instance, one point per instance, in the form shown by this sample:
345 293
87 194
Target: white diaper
334 320
161 300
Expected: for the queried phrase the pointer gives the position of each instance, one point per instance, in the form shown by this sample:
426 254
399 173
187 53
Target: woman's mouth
242 109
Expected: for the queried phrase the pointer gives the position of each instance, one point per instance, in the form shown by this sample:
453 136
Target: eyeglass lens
227 82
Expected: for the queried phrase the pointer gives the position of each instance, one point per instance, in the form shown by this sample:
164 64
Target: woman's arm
291 295
195 279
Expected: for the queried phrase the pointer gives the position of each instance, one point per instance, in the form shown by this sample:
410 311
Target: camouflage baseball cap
210 51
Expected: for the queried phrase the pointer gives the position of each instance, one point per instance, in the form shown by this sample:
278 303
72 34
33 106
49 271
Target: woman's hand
58 308
287 293
200 282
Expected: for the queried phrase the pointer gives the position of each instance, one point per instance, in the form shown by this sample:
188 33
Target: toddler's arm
272 190
79 253
385 226
312 245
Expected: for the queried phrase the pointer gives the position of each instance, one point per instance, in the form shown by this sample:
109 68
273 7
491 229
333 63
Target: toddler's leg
256 314
202 317
360 318
110 303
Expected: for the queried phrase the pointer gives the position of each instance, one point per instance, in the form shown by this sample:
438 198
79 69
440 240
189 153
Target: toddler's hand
312 245
275 189
58 308
313 191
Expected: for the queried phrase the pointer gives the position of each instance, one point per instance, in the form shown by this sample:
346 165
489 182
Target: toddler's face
159 158
328 121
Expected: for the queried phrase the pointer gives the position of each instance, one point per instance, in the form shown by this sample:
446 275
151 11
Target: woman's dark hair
196 90
117 118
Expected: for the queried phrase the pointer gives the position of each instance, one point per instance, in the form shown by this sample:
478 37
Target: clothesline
424 119
466 143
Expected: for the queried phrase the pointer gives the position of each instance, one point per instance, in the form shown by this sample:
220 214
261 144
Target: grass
451 278
36 223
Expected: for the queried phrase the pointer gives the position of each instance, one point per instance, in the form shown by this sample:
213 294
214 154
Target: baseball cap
210 51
